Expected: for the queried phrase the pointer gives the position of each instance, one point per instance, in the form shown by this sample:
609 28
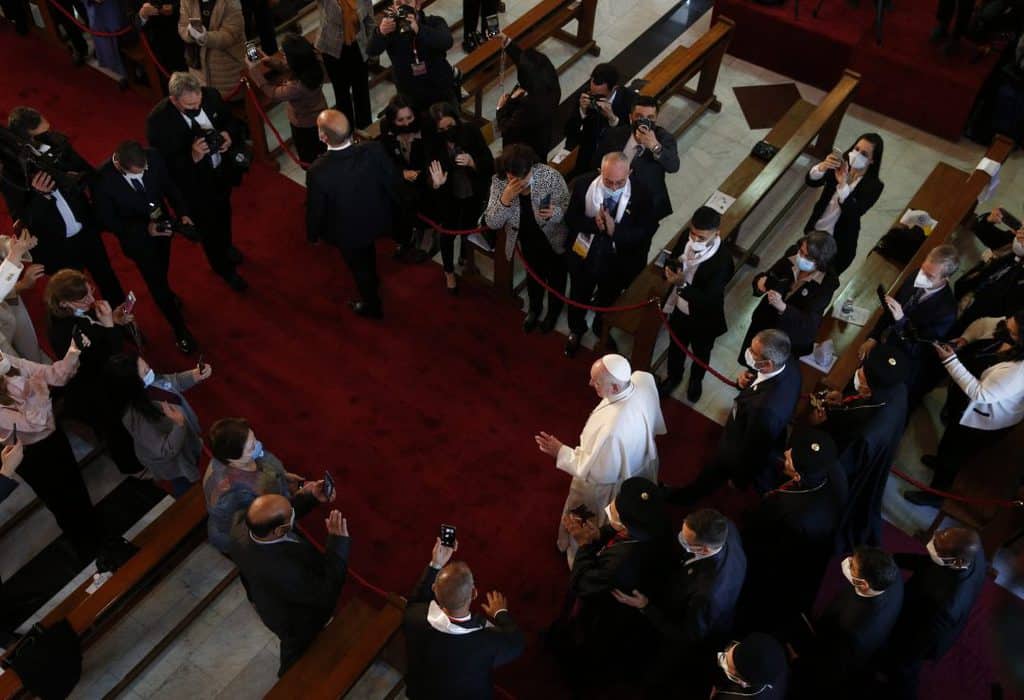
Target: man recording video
602 106
132 191
195 133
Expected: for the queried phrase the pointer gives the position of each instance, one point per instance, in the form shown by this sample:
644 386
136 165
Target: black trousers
351 80
474 11
49 467
153 263
211 212
85 251
961 10
958 442
699 342
73 33
582 287
307 143
846 252
17 12
260 22
459 214
362 263
549 266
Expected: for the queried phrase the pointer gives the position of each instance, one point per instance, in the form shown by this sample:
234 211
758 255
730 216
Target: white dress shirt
204 122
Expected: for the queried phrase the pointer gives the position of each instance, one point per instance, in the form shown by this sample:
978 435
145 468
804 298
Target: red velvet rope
152 56
84 28
447 231
266 120
1001 502
699 362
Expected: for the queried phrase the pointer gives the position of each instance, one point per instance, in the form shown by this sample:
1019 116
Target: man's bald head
268 514
333 127
960 544
615 170
454 589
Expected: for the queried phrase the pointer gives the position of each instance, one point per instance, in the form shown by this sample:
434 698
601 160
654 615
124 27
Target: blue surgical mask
80 312
804 264
614 194
149 378
257 449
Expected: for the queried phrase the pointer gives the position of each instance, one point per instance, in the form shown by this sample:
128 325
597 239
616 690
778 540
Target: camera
401 16
642 122
593 103
213 139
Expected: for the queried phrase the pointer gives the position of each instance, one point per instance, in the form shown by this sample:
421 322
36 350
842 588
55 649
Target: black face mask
192 113
411 128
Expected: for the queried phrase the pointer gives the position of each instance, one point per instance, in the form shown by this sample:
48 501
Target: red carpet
425 418
905 78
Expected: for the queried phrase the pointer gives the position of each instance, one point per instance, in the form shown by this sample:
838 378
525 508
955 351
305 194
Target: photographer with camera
195 133
698 269
995 286
602 106
417 45
132 191
795 292
45 183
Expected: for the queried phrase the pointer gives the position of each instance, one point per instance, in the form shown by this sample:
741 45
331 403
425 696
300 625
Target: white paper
809 360
561 155
987 193
918 217
719 201
989 166
858 317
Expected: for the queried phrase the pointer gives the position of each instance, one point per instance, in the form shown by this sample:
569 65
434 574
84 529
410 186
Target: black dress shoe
236 282
361 308
923 498
572 345
548 324
186 343
667 385
234 255
694 390
469 42
530 322
930 461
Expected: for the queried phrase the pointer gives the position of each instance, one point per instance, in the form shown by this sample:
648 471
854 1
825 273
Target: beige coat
222 55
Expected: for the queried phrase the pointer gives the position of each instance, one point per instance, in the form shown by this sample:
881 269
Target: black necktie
915 299
138 186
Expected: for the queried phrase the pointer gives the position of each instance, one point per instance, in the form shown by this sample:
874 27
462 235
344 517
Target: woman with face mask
985 399
402 138
161 422
850 187
795 292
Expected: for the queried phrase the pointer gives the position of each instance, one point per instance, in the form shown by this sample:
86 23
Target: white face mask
921 281
683 543
135 176
934 554
615 522
1018 248
858 161
857 384
748 357
804 264
79 312
723 664
5 365
696 247
149 378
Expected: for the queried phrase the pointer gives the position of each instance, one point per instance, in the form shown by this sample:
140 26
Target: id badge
419 68
582 244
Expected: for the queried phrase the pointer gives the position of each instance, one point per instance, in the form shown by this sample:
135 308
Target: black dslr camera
213 139
401 16
642 122
593 108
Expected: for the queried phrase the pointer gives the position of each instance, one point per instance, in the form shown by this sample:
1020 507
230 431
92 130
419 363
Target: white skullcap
618 367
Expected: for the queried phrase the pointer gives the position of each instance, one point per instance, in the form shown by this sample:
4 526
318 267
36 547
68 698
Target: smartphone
201 365
79 337
196 22
448 535
250 52
13 439
328 485
837 153
662 258
129 303
1009 219
545 202
582 512
880 291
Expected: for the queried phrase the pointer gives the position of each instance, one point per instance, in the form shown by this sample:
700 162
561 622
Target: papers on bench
823 357
857 315
919 217
992 168
561 155
719 201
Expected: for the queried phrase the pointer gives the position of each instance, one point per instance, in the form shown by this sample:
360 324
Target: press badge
419 68
582 245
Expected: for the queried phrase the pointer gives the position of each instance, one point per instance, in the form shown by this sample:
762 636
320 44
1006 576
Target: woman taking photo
165 429
402 138
302 91
795 292
460 169
528 199
850 187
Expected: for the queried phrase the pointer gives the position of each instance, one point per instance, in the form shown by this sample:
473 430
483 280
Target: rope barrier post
645 335
257 132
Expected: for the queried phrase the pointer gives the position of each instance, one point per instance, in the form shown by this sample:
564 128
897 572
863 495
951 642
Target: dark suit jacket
633 233
125 212
863 197
432 43
997 286
755 434
937 603
169 133
469 139
458 666
86 391
587 132
852 629
706 296
350 195
804 309
646 168
293 587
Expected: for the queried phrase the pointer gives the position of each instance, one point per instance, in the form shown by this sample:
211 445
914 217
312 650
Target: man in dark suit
754 667
181 127
602 105
923 308
803 513
132 191
52 200
940 594
451 652
698 268
351 192
755 433
995 286
293 587
610 219
852 629
695 615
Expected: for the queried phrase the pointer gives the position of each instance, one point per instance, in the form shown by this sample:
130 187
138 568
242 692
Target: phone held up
251 53
328 485
545 202
448 535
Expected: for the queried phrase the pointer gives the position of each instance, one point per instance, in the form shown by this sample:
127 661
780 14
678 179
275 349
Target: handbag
48 660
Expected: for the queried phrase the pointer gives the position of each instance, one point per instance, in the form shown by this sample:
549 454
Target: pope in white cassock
616 443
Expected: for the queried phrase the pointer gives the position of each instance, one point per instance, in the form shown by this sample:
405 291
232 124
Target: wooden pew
342 652
949 195
547 19
673 72
88 613
805 128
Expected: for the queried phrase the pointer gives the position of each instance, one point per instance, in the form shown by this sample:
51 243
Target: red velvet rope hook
84 28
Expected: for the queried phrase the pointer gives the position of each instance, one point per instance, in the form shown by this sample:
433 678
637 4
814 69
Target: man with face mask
695 616
610 220
855 625
451 651
995 286
182 127
755 432
752 668
617 441
803 512
942 590
293 587
698 269
867 425
132 191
